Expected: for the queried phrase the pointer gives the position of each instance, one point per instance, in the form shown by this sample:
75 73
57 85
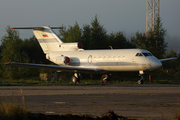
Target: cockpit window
150 54
144 54
137 54
140 54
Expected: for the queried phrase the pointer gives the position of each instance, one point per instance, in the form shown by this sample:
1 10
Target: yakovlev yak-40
71 57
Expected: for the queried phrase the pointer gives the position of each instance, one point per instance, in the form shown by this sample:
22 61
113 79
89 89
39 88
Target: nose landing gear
141 81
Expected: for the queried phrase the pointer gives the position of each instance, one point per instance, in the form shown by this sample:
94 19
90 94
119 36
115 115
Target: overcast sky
128 16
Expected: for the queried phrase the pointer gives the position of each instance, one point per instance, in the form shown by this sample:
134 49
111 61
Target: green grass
25 82
35 82
12 111
166 81
176 116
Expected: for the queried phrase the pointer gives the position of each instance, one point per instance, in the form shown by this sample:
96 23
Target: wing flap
55 67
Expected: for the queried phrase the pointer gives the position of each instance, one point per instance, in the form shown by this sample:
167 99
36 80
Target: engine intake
61 60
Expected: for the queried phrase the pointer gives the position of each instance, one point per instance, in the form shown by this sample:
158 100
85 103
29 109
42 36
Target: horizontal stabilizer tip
36 28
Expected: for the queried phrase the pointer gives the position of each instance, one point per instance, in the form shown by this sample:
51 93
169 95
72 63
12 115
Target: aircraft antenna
152 13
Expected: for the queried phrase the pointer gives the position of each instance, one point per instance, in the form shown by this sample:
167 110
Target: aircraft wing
87 69
167 59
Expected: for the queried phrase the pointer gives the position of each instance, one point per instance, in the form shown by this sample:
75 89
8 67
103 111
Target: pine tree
12 52
154 41
72 34
98 33
118 41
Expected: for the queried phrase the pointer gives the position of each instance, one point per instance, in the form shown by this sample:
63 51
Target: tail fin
46 37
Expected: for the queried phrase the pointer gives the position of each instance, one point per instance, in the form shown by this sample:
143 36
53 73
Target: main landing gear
141 81
105 78
76 78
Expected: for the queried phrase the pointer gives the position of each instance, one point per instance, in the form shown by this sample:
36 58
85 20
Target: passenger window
114 58
94 58
109 58
119 58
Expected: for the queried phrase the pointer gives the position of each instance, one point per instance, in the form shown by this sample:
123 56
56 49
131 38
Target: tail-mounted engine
70 46
61 60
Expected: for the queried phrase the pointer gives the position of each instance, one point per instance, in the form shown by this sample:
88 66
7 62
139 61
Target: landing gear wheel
76 78
141 81
105 79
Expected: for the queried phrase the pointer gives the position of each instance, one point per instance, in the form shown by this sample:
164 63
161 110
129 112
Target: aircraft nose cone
156 64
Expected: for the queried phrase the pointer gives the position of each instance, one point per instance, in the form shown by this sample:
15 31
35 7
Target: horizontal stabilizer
35 28
47 38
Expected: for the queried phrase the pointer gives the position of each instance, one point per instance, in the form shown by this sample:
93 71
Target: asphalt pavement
133 101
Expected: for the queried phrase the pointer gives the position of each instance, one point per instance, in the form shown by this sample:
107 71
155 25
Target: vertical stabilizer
46 37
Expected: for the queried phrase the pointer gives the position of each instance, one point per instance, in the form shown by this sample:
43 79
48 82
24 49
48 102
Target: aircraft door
90 59
133 61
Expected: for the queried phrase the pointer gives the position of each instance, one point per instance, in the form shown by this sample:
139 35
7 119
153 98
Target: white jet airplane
71 57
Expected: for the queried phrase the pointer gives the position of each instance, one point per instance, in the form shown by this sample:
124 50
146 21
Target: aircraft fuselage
109 60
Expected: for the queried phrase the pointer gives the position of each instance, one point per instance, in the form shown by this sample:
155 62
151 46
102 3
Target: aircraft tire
140 82
104 78
74 79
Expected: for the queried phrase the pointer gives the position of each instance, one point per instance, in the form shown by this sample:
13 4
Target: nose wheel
141 81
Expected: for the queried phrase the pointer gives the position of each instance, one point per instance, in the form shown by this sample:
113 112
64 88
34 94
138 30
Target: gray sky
128 16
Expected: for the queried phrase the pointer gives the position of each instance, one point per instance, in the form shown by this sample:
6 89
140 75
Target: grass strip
35 82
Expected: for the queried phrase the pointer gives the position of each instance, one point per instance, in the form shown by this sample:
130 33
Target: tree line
92 36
